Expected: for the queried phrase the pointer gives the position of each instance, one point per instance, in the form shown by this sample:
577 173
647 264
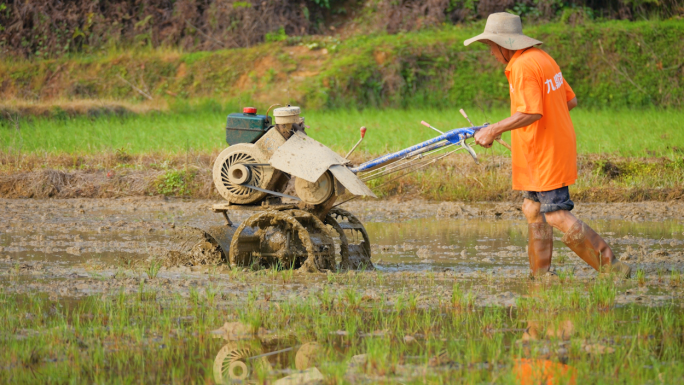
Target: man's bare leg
587 244
562 220
540 238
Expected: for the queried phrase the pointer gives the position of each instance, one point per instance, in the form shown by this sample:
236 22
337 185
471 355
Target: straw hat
505 29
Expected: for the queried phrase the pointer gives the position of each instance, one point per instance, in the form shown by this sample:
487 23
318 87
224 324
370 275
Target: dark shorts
554 200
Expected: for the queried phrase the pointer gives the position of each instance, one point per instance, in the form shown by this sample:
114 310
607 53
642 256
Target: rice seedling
603 293
194 295
461 300
641 277
566 275
211 292
153 269
145 295
675 278
561 259
331 278
287 275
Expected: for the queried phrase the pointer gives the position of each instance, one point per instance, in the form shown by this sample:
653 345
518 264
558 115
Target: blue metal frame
454 136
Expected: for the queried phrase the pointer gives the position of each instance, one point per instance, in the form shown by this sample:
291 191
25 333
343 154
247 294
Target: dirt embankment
601 178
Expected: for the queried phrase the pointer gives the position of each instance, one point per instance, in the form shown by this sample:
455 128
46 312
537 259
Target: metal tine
418 167
394 167
430 161
402 166
397 167
385 169
427 163
423 161
401 162
436 146
433 160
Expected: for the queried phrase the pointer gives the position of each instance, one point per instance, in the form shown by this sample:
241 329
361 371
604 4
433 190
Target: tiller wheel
284 239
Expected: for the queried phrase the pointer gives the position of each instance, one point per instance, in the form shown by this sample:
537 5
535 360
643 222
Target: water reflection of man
544 153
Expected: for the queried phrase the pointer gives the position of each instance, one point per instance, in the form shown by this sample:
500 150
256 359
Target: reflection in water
255 355
538 371
542 359
242 360
235 362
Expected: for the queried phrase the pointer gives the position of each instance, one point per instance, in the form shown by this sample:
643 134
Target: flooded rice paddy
86 297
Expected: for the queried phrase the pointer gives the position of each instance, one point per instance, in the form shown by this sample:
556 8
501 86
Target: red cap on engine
249 110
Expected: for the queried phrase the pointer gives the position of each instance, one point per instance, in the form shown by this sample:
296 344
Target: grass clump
640 277
675 278
175 183
153 269
603 293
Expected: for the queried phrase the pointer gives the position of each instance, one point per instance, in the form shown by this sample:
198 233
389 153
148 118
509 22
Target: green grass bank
609 64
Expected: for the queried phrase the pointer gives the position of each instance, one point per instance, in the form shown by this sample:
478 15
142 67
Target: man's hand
485 137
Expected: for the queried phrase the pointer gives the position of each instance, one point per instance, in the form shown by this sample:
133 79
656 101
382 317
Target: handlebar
456 136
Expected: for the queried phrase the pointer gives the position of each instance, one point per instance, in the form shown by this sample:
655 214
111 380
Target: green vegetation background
609 64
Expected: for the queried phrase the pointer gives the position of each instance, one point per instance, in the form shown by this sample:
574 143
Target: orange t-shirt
545 152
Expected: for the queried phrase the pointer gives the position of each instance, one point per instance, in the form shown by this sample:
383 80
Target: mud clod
202 253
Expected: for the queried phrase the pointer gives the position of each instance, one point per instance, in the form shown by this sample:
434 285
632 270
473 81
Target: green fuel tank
246 127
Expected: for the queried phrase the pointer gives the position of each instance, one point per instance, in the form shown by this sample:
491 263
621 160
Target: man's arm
486 136
572 103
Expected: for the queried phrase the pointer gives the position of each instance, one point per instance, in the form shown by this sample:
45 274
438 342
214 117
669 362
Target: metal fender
308 159
304 158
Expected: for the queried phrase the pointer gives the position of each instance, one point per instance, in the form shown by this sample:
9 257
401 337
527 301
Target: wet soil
73 248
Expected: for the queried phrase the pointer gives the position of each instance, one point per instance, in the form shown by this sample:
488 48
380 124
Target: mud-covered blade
222 235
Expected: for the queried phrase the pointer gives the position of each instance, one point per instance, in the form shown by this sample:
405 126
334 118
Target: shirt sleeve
528 88
569 93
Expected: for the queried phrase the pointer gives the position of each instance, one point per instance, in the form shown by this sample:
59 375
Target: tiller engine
267 162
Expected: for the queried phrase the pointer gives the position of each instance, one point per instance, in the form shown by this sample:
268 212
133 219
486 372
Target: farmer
544 154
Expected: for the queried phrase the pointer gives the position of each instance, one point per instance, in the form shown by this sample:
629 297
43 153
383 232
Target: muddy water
466 245
84 246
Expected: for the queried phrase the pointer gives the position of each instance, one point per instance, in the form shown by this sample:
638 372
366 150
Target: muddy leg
587 244
540 239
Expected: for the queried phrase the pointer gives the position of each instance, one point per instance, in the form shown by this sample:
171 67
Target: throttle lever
469 149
